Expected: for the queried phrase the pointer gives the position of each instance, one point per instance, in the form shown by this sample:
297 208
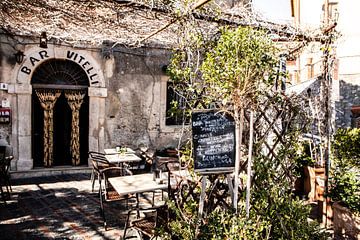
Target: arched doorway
60 114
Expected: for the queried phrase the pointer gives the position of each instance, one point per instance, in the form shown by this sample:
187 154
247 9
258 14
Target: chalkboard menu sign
213 136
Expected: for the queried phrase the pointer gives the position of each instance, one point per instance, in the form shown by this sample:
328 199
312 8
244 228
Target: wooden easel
204 180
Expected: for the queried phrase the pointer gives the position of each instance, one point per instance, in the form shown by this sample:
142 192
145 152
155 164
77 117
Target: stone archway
59 96
21 90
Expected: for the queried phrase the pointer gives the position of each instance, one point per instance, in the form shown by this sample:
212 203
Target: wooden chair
148 219
4 173
99 163
107 192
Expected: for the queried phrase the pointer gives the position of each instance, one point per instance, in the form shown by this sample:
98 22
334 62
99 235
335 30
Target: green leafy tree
236 70
239 67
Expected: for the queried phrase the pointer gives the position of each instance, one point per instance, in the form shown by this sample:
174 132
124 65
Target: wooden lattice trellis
275 118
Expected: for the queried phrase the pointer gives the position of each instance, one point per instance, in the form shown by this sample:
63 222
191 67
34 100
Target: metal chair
4 173
149 219
107 192
98 162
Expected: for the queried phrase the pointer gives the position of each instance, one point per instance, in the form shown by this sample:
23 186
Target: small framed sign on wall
5 115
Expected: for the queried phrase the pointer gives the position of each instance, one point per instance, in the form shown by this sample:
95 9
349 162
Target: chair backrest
115 172
4 162
99 161
172 166
2 152
107 173
165 163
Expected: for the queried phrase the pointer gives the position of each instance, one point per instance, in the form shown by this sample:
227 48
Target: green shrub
219 224
345 175
346 147
345 188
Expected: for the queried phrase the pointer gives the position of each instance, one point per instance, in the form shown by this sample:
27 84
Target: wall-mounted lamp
43 40
107 52
19 56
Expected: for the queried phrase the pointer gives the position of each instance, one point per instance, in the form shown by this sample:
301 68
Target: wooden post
202 196
248 179
238 138
231 187
201 203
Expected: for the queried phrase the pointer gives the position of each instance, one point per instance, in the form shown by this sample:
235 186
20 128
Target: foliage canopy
229 71
236 70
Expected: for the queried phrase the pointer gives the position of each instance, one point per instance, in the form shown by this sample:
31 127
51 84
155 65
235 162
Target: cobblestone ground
59 207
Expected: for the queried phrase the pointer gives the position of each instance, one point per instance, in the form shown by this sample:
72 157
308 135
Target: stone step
42 172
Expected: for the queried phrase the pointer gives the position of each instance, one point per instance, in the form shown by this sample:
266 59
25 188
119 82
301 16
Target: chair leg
102 210
9 183
92 179
7 190
126 224
137 205
139 234
153 199
2 194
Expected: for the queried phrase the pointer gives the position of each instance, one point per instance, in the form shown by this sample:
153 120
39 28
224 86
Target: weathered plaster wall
127 97
134 99
7 61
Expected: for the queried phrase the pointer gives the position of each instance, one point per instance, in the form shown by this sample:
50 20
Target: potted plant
344 182
307 170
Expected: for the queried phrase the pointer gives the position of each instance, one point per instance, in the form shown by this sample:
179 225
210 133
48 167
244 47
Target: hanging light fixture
19 56
43 40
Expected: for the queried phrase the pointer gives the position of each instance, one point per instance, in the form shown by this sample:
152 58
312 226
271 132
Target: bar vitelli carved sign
38 57
214 141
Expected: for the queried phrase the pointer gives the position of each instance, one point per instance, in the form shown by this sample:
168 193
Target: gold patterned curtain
75 99
47 100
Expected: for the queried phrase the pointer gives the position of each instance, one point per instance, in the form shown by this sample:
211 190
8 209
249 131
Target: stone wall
7 61
127 96
135 103
349 95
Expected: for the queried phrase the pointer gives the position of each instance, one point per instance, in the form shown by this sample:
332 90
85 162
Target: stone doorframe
21 93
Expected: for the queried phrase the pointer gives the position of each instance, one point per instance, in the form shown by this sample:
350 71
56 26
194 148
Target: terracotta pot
346 224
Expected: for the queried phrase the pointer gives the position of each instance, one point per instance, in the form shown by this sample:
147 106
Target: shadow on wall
349 97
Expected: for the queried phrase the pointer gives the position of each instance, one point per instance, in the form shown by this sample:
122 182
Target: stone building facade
347 89
345 72
124 104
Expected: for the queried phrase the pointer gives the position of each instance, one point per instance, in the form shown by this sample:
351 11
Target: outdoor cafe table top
113 151
136 184
114 157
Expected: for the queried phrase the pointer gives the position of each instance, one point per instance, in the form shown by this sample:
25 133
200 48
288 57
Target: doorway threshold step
43 172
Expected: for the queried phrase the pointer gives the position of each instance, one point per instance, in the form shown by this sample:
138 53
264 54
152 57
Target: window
355 118
175 107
